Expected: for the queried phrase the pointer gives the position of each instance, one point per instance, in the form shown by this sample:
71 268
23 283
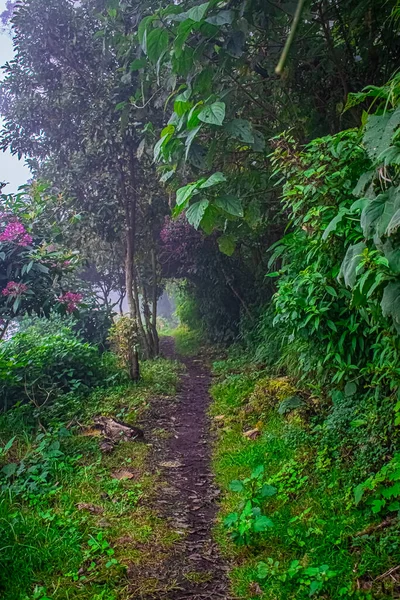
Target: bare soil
188 499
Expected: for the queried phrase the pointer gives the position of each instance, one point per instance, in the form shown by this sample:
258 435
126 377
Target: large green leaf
157 43
241 129
390 303
379 132
394 224
392 255
184 193
195 213
197 12
230 204
214 179
214 114
223 17
378 213
348 269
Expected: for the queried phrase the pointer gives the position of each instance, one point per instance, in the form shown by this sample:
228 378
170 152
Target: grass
68 529
188 342
315 520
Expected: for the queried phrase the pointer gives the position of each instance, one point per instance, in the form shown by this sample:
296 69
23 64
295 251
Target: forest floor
87 517
189 494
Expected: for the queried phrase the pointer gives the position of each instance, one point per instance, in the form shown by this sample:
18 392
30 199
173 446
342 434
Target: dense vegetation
245 155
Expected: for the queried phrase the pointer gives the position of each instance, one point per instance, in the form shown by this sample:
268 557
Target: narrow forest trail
188 497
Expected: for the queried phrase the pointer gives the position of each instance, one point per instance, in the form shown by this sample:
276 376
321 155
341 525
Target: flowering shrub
70 300
31 269
15 232
14 289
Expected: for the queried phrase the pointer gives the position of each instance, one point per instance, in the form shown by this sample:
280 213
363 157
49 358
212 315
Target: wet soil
188 499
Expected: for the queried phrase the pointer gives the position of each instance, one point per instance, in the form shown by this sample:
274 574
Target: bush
37 366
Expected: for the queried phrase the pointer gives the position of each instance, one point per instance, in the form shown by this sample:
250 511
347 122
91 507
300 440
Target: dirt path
188 499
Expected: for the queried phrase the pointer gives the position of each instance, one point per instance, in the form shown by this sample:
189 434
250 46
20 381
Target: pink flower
71 300
16 232
14 289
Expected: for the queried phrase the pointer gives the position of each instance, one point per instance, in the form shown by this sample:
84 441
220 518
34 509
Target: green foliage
37 367
249 520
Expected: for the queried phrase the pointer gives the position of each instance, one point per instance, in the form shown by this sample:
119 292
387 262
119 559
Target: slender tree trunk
154 303
134 367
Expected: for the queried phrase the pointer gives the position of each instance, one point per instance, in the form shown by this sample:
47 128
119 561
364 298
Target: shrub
37 366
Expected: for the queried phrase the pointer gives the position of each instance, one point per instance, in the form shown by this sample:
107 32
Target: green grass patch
303 538
68 528
188 342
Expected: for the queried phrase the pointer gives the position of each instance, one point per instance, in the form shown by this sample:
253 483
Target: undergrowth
299 515
70 528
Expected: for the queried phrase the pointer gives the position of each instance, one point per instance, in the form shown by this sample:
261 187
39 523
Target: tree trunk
134 367
154 302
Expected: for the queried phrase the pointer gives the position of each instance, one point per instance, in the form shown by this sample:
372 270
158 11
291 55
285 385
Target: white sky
12 170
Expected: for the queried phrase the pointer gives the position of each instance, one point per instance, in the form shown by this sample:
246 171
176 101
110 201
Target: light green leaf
195 212
214 179
227 244
137 64
184 193
236 486
142 31
230 204
214 114
157 43
348 269
262 523
197 12
358 493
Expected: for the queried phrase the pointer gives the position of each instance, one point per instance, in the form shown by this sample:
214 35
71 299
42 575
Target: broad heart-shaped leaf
195 213
197 12
227 244
378 213
267 491
379 132
362 183
262 523
215 178
230 204
390 303
157 43
394 224
223 17
214 114
184 193
236 486
241 129
231 519
348 269
10 469
392 255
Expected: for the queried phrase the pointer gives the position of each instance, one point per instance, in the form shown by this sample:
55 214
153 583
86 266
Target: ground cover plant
318 535
73 518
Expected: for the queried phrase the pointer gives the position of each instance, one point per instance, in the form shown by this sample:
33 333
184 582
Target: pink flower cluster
14 289
71 300
16 232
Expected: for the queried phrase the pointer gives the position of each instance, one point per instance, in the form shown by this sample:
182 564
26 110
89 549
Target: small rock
255 589
171 464
123 474
252 434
